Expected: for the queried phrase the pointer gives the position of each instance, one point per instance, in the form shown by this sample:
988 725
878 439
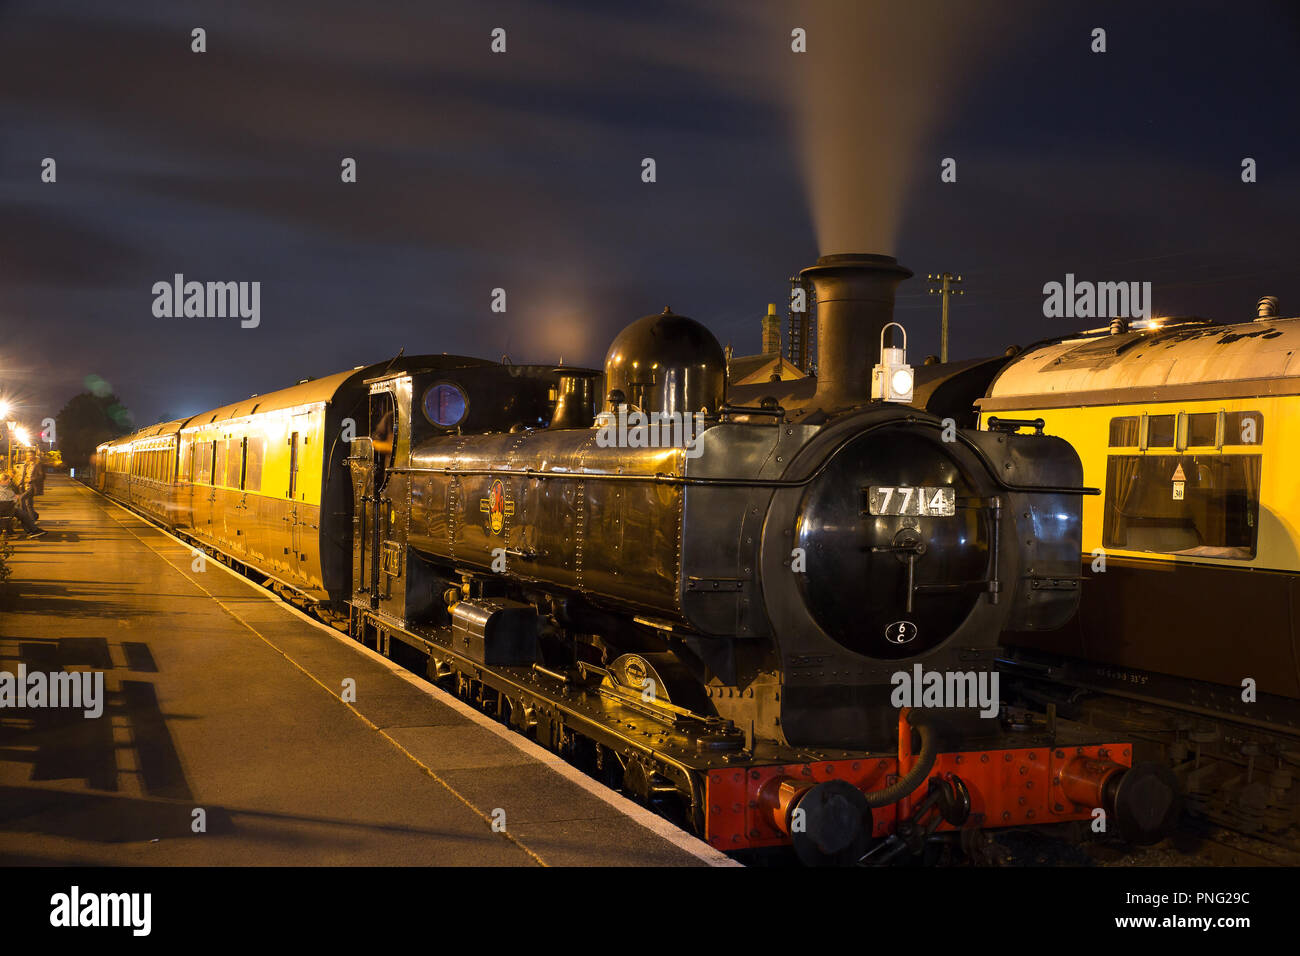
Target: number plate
904 500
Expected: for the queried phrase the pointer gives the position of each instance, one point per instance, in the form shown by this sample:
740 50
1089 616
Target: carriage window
187 460
1124 431
1160 431
1195 505
1243 428
218 461
1203 428
293 464
255 451
234 462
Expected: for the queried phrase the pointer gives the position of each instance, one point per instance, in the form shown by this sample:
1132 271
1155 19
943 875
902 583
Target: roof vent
1267 308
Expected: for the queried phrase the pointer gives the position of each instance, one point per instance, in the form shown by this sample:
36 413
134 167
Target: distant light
5 409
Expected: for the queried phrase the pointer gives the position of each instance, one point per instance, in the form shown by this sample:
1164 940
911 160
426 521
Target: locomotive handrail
660 478
775 411
1012 425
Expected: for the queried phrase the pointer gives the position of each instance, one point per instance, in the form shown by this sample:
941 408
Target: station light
892 379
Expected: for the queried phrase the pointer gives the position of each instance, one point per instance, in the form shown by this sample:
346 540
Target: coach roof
1168 363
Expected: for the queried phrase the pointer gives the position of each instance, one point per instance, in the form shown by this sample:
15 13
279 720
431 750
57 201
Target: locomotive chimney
855 301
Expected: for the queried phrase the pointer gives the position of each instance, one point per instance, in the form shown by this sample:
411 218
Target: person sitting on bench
9 507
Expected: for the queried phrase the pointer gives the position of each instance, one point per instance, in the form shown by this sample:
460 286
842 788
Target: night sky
522 171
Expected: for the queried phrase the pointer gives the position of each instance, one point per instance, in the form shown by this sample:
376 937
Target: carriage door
296 515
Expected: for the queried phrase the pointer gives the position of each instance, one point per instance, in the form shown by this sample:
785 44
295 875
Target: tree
87 421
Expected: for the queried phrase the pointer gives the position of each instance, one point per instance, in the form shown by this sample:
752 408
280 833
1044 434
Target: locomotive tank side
563 511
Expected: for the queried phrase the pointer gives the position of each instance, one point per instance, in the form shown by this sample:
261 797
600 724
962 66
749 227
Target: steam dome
666 363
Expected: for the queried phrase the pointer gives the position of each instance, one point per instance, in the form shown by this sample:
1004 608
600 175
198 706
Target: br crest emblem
496 506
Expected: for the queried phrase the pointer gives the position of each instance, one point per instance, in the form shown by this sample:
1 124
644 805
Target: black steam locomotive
770 609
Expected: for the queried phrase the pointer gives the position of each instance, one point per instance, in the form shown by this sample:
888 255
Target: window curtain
1121 488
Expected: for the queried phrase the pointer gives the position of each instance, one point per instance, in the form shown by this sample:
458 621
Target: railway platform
235 730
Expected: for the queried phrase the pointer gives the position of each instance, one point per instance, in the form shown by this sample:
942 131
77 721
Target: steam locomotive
726 623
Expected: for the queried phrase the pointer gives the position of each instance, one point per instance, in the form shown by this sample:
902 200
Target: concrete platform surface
220 698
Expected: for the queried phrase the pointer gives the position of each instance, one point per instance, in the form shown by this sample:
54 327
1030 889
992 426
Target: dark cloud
522 171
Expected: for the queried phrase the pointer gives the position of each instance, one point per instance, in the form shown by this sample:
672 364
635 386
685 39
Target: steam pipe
917 772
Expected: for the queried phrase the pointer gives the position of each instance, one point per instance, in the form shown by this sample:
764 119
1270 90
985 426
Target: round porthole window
444 405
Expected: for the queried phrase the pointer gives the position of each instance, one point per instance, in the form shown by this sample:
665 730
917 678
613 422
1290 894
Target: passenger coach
251 481
263 481
1191 553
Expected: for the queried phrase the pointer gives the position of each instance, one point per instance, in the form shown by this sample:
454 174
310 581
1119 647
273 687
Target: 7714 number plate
904 500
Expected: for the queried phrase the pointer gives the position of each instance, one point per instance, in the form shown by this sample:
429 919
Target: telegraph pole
945 291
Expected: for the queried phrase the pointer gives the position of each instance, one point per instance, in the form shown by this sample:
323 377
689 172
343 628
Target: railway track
1237 769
